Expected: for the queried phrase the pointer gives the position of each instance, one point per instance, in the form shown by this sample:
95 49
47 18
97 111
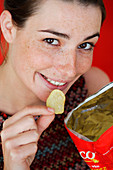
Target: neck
14 95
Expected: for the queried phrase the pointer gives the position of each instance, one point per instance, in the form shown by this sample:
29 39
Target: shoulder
95 79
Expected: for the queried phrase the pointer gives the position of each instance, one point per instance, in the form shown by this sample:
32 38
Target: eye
52 41
86 46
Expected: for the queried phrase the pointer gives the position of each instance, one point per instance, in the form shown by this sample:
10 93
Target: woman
50 46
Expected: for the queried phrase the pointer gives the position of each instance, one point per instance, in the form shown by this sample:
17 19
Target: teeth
55 82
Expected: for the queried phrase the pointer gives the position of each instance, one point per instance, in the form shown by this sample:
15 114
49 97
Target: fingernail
50 109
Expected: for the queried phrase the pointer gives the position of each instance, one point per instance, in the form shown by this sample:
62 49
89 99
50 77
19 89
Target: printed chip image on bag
90 126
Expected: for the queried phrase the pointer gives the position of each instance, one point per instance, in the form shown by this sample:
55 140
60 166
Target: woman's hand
20 135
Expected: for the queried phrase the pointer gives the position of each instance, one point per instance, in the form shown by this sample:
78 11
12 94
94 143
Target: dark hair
21 10
98 3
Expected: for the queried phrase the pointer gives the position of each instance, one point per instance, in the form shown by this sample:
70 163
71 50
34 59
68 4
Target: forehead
67 16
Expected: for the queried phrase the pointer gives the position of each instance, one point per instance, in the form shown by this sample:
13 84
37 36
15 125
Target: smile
56 83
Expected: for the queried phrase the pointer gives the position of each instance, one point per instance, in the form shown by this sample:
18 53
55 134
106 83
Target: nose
66 63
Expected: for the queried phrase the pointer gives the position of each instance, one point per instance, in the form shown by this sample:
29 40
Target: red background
103 53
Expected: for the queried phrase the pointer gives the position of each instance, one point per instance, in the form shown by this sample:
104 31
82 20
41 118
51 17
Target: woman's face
55 47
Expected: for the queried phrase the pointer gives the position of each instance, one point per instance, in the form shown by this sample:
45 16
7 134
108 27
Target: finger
21 139
30 110
22 125
43 122
22 152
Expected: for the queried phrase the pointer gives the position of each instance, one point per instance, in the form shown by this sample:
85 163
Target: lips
53 82
50 83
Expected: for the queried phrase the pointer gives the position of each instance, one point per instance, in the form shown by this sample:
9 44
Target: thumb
43 122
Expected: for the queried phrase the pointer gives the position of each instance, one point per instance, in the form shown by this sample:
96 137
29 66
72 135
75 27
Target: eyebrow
92 36
67 36
56 33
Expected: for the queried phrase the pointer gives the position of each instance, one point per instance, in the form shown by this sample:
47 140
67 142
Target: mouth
53 82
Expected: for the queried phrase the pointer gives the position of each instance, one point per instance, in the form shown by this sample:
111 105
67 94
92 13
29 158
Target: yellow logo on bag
104 168
89 156
93 160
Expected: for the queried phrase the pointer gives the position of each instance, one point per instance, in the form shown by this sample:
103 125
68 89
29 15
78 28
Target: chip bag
90 126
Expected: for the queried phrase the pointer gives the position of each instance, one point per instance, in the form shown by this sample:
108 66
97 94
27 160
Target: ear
7 26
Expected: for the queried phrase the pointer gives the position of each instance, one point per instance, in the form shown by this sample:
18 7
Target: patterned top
56 149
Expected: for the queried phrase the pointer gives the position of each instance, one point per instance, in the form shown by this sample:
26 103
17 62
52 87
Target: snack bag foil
90 126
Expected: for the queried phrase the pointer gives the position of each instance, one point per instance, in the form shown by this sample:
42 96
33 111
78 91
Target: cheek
83 64
38 57
33 57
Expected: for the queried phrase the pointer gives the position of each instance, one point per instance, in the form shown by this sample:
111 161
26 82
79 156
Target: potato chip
56 100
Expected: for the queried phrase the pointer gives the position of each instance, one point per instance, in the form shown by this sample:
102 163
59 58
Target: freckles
84 64
26 60
36 57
